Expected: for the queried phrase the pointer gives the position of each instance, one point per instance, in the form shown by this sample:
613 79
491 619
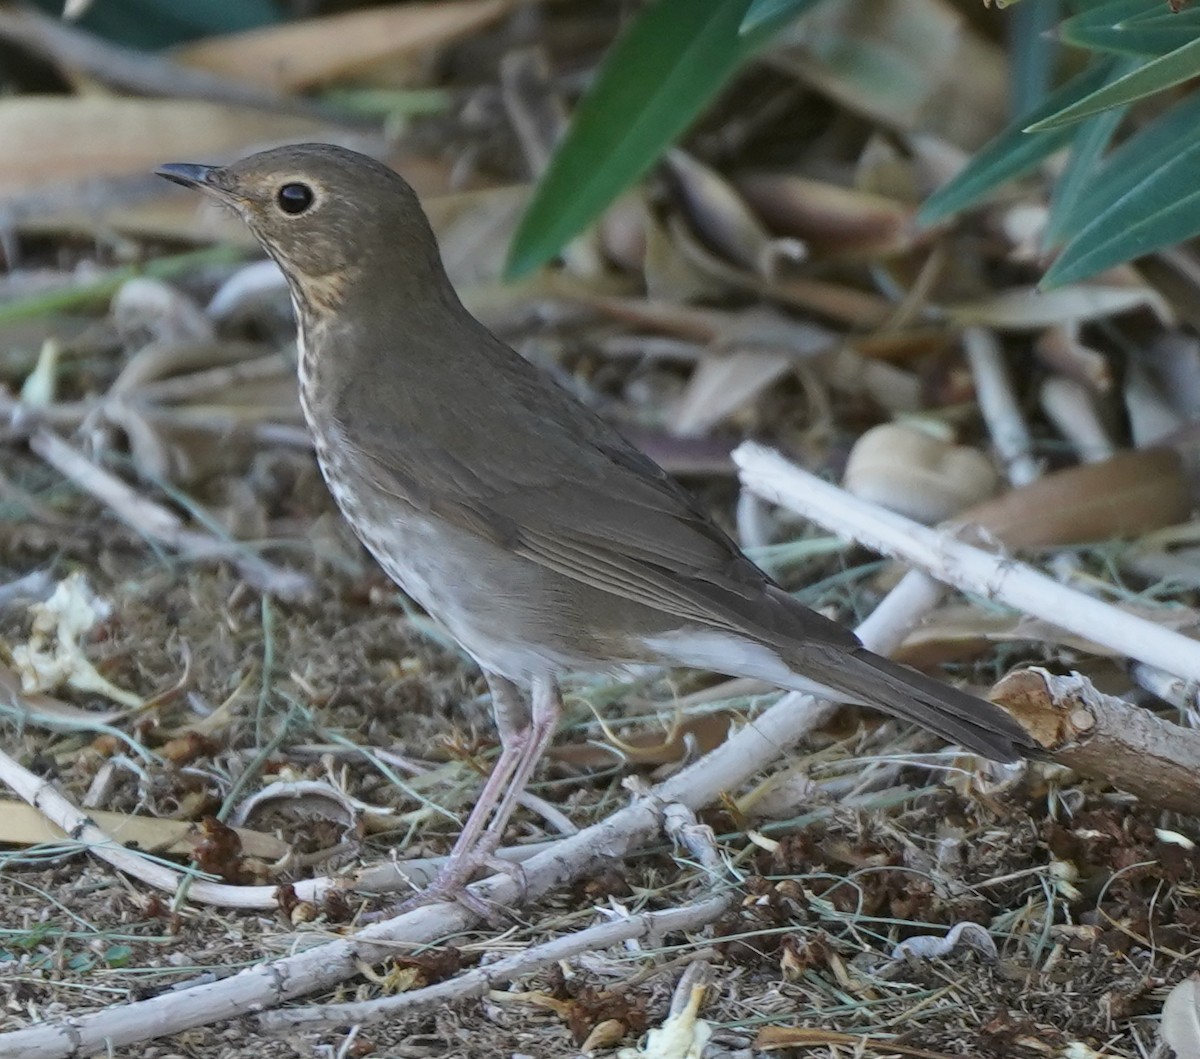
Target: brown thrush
527 525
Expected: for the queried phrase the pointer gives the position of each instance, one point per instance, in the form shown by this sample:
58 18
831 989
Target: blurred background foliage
1111 204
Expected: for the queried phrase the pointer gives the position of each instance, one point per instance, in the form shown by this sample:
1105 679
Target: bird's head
327 215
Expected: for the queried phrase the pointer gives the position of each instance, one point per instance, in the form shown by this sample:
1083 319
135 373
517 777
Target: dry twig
1106 738
967 568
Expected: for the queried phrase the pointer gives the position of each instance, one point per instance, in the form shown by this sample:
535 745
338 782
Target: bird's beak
189 175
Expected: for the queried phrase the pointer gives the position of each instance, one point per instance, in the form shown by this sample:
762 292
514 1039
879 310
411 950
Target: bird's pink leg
524 736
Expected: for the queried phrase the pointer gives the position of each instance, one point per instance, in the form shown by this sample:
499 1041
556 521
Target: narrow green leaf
1162 210
1170 69
773 13
1134 27
1079 174
658 76
1131 164
1033 49
1101 16
1013 152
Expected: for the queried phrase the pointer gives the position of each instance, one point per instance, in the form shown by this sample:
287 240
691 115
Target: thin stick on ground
998 403
727 768
968 568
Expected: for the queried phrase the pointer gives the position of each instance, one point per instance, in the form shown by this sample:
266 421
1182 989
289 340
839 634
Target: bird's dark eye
295 198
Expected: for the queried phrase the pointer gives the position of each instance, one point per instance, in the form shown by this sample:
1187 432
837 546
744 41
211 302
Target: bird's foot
453 881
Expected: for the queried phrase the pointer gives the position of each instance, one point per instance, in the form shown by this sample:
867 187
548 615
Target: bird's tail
897 689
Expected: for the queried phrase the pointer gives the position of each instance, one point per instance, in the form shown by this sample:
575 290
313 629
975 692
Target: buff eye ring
295 198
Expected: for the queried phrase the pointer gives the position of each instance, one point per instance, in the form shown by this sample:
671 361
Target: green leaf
1135 27
1170 69
1013 152
160 23
1147 197
771 12
1079 176
1033 49
1094 17
658 76
1167 211
1127 167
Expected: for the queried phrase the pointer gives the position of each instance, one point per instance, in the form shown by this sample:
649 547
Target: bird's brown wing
555 485
561 488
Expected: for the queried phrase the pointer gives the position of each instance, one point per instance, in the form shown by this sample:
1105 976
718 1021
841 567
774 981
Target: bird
540 538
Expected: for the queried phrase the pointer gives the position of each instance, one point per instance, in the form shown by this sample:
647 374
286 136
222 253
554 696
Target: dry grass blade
772 1038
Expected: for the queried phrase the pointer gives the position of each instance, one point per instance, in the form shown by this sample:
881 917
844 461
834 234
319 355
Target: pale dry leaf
37 708
1174 838
907 63
54 656
303 800
1127 495
23 825
770 330
883 169
723 220
622 231
604 1035
1023 225
1153 417
62 139
1028 309
723 383
935 161
474 229
672 277
1180 1026
838 301
893 388
246 290
834 221
961 632
1061 350
145 308
681 1036
149 450
1173 360
936 947
301 54
534 105
1072 408
40 385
